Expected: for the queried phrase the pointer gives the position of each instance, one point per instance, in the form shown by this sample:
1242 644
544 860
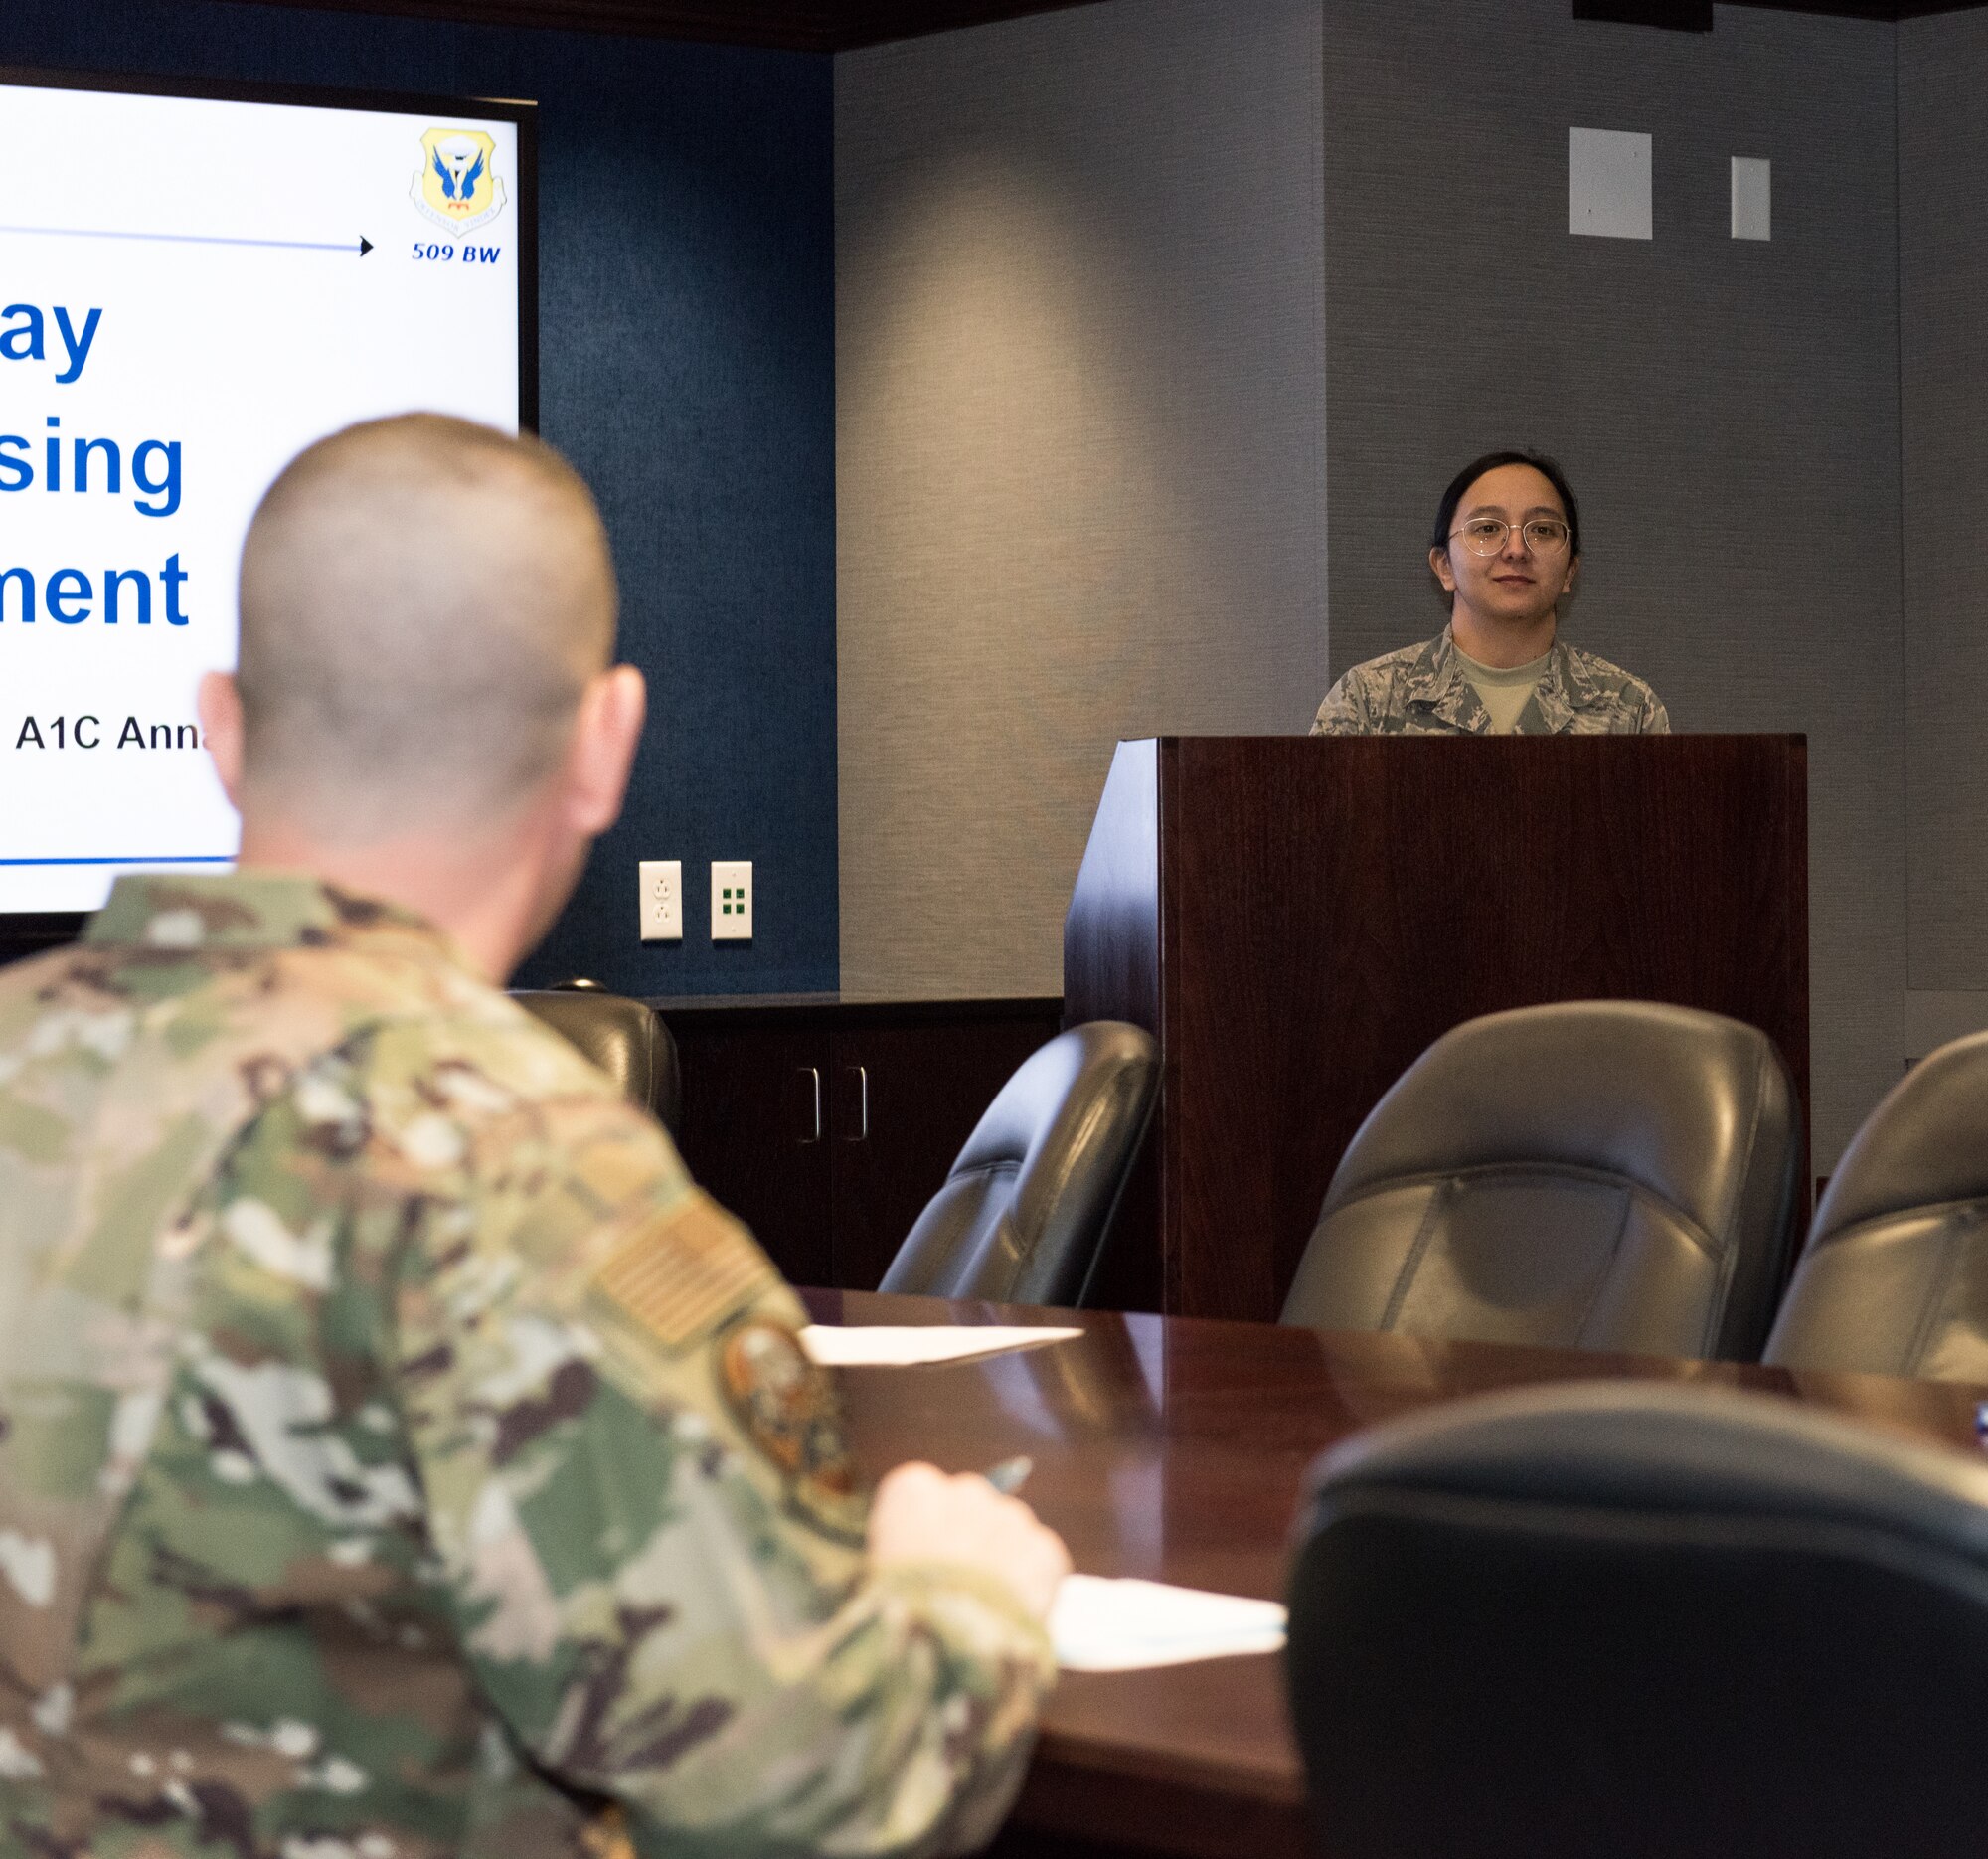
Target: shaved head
423 603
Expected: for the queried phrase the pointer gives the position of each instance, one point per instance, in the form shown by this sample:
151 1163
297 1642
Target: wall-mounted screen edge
213 274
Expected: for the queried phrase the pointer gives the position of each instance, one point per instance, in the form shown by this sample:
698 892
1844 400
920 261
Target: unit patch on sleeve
785 1405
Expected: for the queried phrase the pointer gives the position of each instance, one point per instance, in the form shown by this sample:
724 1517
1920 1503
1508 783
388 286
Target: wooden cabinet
826 1124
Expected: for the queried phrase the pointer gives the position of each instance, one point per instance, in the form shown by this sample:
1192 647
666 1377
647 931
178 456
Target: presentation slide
192 290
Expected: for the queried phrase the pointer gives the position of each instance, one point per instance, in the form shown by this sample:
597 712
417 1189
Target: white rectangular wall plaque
1608 183
1752 198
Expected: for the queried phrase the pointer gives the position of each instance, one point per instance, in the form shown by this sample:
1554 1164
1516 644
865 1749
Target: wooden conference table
1174 1448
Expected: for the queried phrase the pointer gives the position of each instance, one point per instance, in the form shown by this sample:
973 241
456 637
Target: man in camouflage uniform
1505 552
399 1456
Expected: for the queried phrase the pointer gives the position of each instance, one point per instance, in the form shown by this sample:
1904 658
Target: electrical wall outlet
732 900
662 882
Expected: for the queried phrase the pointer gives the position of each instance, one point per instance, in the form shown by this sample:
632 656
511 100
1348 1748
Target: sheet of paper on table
888 1345
1103 1626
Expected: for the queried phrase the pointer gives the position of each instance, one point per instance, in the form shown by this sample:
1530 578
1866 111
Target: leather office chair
1894 1278
625 1037
1588 1174
1022 1215
1637 1619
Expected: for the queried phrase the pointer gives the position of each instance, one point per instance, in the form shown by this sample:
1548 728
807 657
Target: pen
1010 1475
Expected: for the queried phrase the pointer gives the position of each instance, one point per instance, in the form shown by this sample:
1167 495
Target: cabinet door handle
813 1075
861 1074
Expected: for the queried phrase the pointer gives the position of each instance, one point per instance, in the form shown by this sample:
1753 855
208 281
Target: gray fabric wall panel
1079 424
1727 409
1943 288
1096 379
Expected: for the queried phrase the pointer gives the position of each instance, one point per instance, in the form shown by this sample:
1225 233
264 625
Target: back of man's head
423 601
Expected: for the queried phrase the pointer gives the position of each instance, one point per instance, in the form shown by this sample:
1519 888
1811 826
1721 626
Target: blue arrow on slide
192 239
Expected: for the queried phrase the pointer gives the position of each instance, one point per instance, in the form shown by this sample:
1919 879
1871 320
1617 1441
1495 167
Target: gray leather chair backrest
1588 1174
1894 1278
1643 1620
625 1037
1025 1211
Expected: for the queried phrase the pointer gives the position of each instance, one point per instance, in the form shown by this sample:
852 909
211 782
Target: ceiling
841 25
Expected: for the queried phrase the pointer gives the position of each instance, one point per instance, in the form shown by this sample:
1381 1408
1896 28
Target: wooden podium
1295 919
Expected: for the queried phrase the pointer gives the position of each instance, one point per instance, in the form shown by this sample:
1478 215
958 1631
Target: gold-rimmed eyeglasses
1485 534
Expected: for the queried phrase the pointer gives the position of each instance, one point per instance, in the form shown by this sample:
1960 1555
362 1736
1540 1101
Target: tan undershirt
1504 693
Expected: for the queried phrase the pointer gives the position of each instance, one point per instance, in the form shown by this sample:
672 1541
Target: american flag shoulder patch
680 1277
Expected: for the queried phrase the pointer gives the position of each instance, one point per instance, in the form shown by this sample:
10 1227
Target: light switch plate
662 889
1608 183
1753 197
732 900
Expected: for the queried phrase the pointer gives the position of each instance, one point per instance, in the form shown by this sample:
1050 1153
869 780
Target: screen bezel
23 932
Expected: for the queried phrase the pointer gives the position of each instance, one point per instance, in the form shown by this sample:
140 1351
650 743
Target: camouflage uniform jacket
387 1426
1421 691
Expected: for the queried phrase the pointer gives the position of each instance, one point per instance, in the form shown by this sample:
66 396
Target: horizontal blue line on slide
139 858
362 245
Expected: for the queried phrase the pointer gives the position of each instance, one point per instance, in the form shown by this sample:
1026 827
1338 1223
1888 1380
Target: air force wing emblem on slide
457 186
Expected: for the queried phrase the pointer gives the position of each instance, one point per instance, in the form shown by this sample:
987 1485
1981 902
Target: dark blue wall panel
687 367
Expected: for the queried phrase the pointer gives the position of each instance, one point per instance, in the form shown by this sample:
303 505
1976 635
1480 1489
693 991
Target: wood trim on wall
828 27
824 26
782 25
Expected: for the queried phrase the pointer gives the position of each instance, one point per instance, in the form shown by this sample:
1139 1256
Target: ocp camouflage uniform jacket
1421 691
388 1424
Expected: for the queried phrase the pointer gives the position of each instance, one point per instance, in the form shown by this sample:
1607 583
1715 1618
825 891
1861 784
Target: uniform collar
1437 684
254 909
1436 681
1567 687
